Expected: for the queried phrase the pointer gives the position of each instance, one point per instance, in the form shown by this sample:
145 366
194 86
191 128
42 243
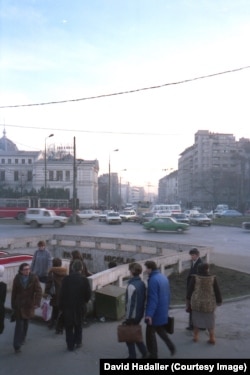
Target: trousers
20 333
151 339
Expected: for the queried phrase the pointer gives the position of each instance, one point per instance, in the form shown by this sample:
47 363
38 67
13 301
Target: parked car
230 213
36 217
129 215
87 214
181 218
113 218
165 224
200 219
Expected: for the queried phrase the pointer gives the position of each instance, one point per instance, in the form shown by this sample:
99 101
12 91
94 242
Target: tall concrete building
168 188
215 169
24 171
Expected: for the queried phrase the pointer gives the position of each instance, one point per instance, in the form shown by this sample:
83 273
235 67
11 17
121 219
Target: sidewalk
45 352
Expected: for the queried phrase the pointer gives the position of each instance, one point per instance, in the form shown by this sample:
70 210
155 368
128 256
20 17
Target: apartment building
215 169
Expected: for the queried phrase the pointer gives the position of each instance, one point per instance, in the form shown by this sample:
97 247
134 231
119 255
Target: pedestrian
75 293
195 261
3 291
55 277
135 306
41 262
25 298
157 306
85 272
75 254
203 295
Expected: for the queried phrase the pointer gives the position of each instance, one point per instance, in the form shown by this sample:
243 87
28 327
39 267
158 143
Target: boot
196 334
211 337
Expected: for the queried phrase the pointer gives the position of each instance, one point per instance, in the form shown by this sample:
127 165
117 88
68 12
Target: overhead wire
127 91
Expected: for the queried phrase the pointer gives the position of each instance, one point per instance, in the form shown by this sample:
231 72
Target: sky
64 53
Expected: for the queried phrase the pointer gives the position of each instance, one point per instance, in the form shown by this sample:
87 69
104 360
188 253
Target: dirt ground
232 284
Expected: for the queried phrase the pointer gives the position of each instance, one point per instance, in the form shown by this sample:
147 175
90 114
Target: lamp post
110 180
123 170
74 184
45 163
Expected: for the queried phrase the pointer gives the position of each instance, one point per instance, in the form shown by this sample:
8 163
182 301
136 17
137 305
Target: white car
128 215
36 217
103 215
113 218
87 214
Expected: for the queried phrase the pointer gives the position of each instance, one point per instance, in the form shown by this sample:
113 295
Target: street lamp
110 180
45 164
123 170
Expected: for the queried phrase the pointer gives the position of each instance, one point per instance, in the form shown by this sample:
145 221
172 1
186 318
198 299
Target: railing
168 256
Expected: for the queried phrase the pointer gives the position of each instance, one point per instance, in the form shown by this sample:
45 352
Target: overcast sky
56 50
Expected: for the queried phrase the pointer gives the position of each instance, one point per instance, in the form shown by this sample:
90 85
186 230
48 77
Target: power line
128 91
88 131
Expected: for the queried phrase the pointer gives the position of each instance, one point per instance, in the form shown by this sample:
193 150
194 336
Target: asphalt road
228 243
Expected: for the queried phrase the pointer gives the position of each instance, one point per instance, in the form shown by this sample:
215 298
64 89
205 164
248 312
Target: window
2 175
67 175
3 161
23 161
16 176
29 176
59 175
29 161
51 175
16 161
9 161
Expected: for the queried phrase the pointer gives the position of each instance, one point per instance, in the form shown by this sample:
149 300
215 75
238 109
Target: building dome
6 144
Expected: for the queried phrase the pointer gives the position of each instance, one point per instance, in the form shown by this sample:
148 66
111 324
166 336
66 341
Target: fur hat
1 270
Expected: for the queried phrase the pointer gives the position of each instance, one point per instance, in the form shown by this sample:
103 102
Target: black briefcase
170 325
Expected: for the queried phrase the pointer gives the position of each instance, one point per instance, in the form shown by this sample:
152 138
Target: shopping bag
129 333
46 309
170 325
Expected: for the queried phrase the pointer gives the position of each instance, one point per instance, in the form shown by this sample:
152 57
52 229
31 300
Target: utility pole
74 183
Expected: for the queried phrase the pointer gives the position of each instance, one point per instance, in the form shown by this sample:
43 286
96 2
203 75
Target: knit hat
1 270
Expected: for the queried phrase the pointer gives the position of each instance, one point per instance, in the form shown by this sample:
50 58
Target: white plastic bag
46 309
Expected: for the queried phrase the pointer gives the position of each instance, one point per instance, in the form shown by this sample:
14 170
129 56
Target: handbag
129 333
170 325
46 309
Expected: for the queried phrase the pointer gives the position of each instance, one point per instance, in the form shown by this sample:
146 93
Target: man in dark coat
75 293
195 261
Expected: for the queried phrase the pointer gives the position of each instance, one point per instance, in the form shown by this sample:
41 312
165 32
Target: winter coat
24 299
158 298
204 293
193 269
41 262
3 289
56 275
75 293
135 299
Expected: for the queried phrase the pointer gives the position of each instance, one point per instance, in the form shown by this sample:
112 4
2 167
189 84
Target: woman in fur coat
55 277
